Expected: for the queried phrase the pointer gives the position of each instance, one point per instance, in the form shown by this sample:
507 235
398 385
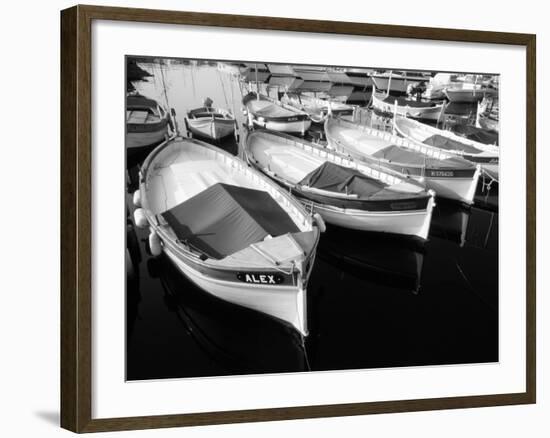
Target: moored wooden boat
391 105
210 123
268 113
450 176
397 82
466 92
359 77
233 232
480 135
147 122
343 191
317 109
485 155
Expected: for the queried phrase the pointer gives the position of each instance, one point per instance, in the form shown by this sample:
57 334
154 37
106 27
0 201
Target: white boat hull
409 223
300 126
398 84
426 113
466 96
143 139
459 189
214 129
287 303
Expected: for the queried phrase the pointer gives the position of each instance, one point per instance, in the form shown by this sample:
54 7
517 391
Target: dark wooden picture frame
76 217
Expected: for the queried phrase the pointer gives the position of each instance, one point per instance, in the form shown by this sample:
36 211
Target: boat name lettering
292 119
445 173
259 278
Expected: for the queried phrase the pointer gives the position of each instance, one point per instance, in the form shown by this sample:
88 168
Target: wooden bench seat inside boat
141 116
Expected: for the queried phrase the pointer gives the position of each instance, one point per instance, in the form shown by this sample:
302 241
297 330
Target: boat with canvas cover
147 122
210 123
344 192
317 109
268 113
397 82
404 107
480 135
233 232
485 155
359 77
466 92
450 176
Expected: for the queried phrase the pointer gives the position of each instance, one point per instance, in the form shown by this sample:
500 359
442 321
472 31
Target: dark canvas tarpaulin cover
332 177
477 134
224 219
449 144
397 154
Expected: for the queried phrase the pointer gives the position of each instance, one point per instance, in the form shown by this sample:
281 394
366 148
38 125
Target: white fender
320 222
136 199
139 218
154 244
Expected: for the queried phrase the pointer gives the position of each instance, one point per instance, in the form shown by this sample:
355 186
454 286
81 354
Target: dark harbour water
373 300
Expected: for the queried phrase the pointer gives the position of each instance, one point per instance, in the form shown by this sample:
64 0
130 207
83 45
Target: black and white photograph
287 218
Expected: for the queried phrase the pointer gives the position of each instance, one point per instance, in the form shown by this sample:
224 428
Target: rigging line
193 82
164 85
472 289
304 350
223 89
489 230
231 86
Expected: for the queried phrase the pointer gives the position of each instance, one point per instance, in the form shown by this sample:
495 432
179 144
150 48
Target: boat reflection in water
472 226
237 339
385 259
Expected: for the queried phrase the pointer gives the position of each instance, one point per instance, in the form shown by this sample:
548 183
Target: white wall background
29 266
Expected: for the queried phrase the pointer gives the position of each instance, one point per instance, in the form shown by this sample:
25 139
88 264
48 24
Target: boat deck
289 161
265 108
187 173
360 140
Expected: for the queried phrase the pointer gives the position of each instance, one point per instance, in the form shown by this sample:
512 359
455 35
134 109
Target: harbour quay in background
254 188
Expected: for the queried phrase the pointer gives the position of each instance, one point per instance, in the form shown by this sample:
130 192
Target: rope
484 184
164 85
223 89
193 82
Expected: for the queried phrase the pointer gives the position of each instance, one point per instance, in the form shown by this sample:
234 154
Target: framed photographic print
267 218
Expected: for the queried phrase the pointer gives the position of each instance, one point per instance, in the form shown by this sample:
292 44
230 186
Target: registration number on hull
260 278
442 173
